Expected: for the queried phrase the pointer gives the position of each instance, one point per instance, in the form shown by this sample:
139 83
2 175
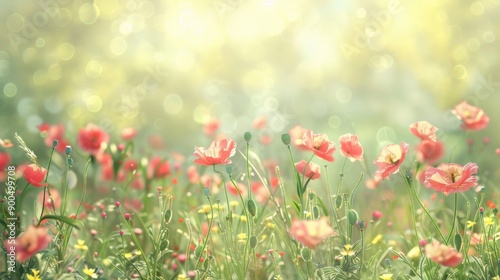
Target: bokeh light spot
459 72
93 69
361 13
32 123
460 53
94 103
74 111
54 72
489 36
272 104
118 46
88 13
386 136
10 90
334 122
473 44
344 95
53 104
477 8
147 9
172 104
200 114
65 51
40 42
15 22
40 77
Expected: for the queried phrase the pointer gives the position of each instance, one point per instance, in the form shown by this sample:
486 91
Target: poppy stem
454 219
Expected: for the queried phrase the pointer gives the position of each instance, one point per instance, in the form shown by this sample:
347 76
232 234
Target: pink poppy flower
128 133
390 159
32 241
443 254
219 152
319 144
296 133
91 138
311 170
451 178
260 123
193 175
424 130
350 147
473 118
56 199
35 174
210 126
311 233
429 151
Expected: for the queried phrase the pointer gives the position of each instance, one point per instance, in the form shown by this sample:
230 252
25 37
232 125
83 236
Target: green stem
454 219
411 188
412 207
248 225
208 233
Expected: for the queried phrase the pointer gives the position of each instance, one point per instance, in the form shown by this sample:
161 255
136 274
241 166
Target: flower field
95 205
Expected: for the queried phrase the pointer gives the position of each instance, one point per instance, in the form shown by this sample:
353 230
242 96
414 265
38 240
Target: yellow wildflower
233 203
470 224
488 221
386 276
81 245
127 255
35 275
377 239
243 218
205 209
414 253
106 262
90 272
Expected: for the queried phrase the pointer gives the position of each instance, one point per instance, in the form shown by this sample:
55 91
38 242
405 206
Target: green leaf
66 220
322 205
458 241
296 206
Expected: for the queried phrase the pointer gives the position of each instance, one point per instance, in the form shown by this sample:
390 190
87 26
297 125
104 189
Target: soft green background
164 66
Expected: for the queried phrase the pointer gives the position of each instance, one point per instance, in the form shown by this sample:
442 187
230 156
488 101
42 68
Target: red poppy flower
312 170
4 161
473 118
32 241
350 147
35 174
319 144
424 130
443 254
91 138
311 233
219 152
54 132
158 168
390 158
451 178
429 151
